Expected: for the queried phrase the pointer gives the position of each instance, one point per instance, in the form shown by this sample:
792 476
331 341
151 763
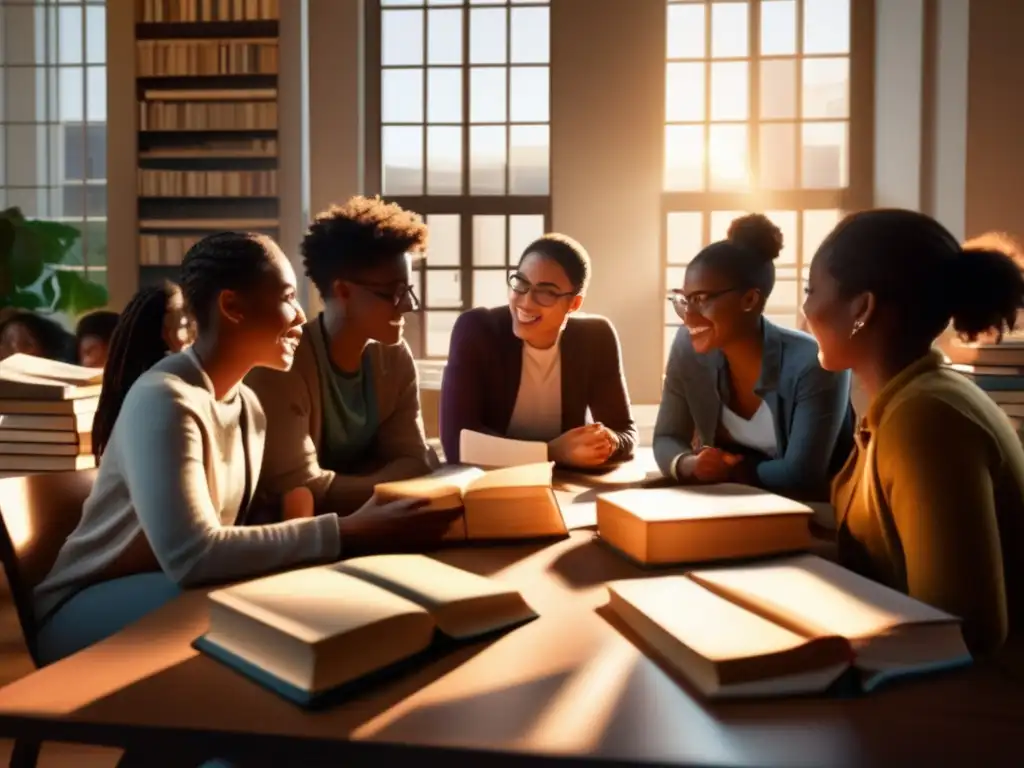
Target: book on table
790 626
689 524
27 377
509 503
311 633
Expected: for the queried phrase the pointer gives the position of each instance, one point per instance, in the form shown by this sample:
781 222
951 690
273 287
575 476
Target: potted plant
31 278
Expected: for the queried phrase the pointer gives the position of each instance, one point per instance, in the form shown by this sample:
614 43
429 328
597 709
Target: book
690 524
79 422
482 450
790 626
310 633
26 377
508 503
1006 353
20 462
46 408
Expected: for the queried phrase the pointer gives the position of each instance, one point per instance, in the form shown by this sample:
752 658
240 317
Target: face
830 318
540 297
178 331
267 319
376 303
92 352
715 309
17 338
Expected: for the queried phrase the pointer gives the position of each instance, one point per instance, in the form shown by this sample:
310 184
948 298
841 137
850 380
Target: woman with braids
152 326
184 456
932 500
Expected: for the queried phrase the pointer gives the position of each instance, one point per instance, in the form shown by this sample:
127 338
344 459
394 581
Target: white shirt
757 432
538 411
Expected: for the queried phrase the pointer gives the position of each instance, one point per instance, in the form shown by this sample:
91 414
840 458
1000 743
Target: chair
37 514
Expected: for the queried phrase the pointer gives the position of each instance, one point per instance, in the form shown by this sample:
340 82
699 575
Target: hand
744 471
710 465
396 526
588 446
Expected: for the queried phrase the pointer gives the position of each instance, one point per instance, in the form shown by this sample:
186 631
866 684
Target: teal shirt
350 413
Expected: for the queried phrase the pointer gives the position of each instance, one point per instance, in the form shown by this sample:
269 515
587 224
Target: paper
489 451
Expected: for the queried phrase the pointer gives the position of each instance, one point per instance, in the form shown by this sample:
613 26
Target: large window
462 124
53 132
757 114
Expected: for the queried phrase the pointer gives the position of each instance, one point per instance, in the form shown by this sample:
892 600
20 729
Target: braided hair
226 261
137 344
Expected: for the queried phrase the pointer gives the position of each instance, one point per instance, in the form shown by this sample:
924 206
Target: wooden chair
37 514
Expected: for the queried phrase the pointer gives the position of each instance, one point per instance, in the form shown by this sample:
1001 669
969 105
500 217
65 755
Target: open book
37 378
665 526
509 503
785 627
307 633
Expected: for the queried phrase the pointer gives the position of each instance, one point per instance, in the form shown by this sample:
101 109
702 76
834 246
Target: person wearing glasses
745 400
347 415
533 369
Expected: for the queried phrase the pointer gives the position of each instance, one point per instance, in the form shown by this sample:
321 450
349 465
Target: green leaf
54 238
78 295
50 286
27 300
14 215
6 245
26 261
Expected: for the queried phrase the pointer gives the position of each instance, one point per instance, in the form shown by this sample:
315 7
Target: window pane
444 37
529 161
401 97
21 46
72 99
720 221
96 34
27 166
33 202
786 221
826 88
96 152
487 36
817 226
778 156
96 94
674 277
401 38
74 151
778 27
826 26
488 241
778 89
684 157
785 299
529 97
444 95
522 230
685 236
444 288
26 94
444 160
487 157
445 237
684 92
825 156
727 157
685 32
490 288
729 30
439 332
402 160
487 96
531 35
69 36
729 90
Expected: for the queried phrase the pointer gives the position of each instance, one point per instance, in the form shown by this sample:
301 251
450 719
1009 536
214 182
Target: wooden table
572 684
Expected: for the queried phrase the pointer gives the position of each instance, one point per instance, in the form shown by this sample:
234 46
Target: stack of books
46 413
996 368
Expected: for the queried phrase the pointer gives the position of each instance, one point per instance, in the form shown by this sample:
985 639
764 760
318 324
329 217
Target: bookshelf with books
207 87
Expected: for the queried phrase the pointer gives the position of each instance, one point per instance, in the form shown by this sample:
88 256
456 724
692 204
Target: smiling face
830 318
715 309
540 297
377 301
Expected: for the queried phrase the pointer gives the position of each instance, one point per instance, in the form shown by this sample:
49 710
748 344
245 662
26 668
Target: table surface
574 683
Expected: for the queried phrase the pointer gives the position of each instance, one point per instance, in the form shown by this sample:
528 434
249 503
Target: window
462 125
757 118
53 133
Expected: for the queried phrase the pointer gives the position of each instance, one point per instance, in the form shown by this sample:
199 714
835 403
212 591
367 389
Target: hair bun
756 233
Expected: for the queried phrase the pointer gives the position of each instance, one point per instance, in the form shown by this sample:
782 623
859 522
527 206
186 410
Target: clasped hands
588 446
713 465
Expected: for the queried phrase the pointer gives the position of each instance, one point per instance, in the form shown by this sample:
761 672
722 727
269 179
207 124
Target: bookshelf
207 91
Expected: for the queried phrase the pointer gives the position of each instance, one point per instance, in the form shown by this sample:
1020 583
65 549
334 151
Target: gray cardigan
810 407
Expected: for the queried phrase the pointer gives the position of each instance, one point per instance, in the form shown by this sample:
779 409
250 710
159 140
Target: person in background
347 415
184 456
931 502
745 400
92 337
30 334
153 325
532 370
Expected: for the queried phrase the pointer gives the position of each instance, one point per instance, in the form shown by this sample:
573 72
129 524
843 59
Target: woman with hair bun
931 502
745 400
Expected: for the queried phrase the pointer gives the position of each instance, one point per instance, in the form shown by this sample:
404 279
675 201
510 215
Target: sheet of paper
489 451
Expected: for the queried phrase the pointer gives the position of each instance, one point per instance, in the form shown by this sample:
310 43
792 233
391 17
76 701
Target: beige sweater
174 473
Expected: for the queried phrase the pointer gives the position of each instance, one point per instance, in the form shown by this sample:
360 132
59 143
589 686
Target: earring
857 325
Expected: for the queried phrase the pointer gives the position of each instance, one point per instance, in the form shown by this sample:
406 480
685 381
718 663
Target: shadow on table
592 563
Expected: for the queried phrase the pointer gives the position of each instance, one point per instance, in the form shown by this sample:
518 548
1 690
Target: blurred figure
92 338
30 334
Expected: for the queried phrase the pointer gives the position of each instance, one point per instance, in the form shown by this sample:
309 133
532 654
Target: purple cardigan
485 361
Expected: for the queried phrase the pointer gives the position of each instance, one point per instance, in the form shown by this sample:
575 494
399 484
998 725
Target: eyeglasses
395 296
546 297
697 301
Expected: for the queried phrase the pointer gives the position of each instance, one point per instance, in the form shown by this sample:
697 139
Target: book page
490 451
448 481
822 597
524 476
703 502
42 367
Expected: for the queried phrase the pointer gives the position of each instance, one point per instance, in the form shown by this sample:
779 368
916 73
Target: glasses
697 301
546 297
395 296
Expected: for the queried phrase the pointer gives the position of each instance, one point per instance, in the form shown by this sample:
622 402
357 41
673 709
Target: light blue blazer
810 407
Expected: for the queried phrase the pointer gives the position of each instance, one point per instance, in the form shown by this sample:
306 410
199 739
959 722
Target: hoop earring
857 325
